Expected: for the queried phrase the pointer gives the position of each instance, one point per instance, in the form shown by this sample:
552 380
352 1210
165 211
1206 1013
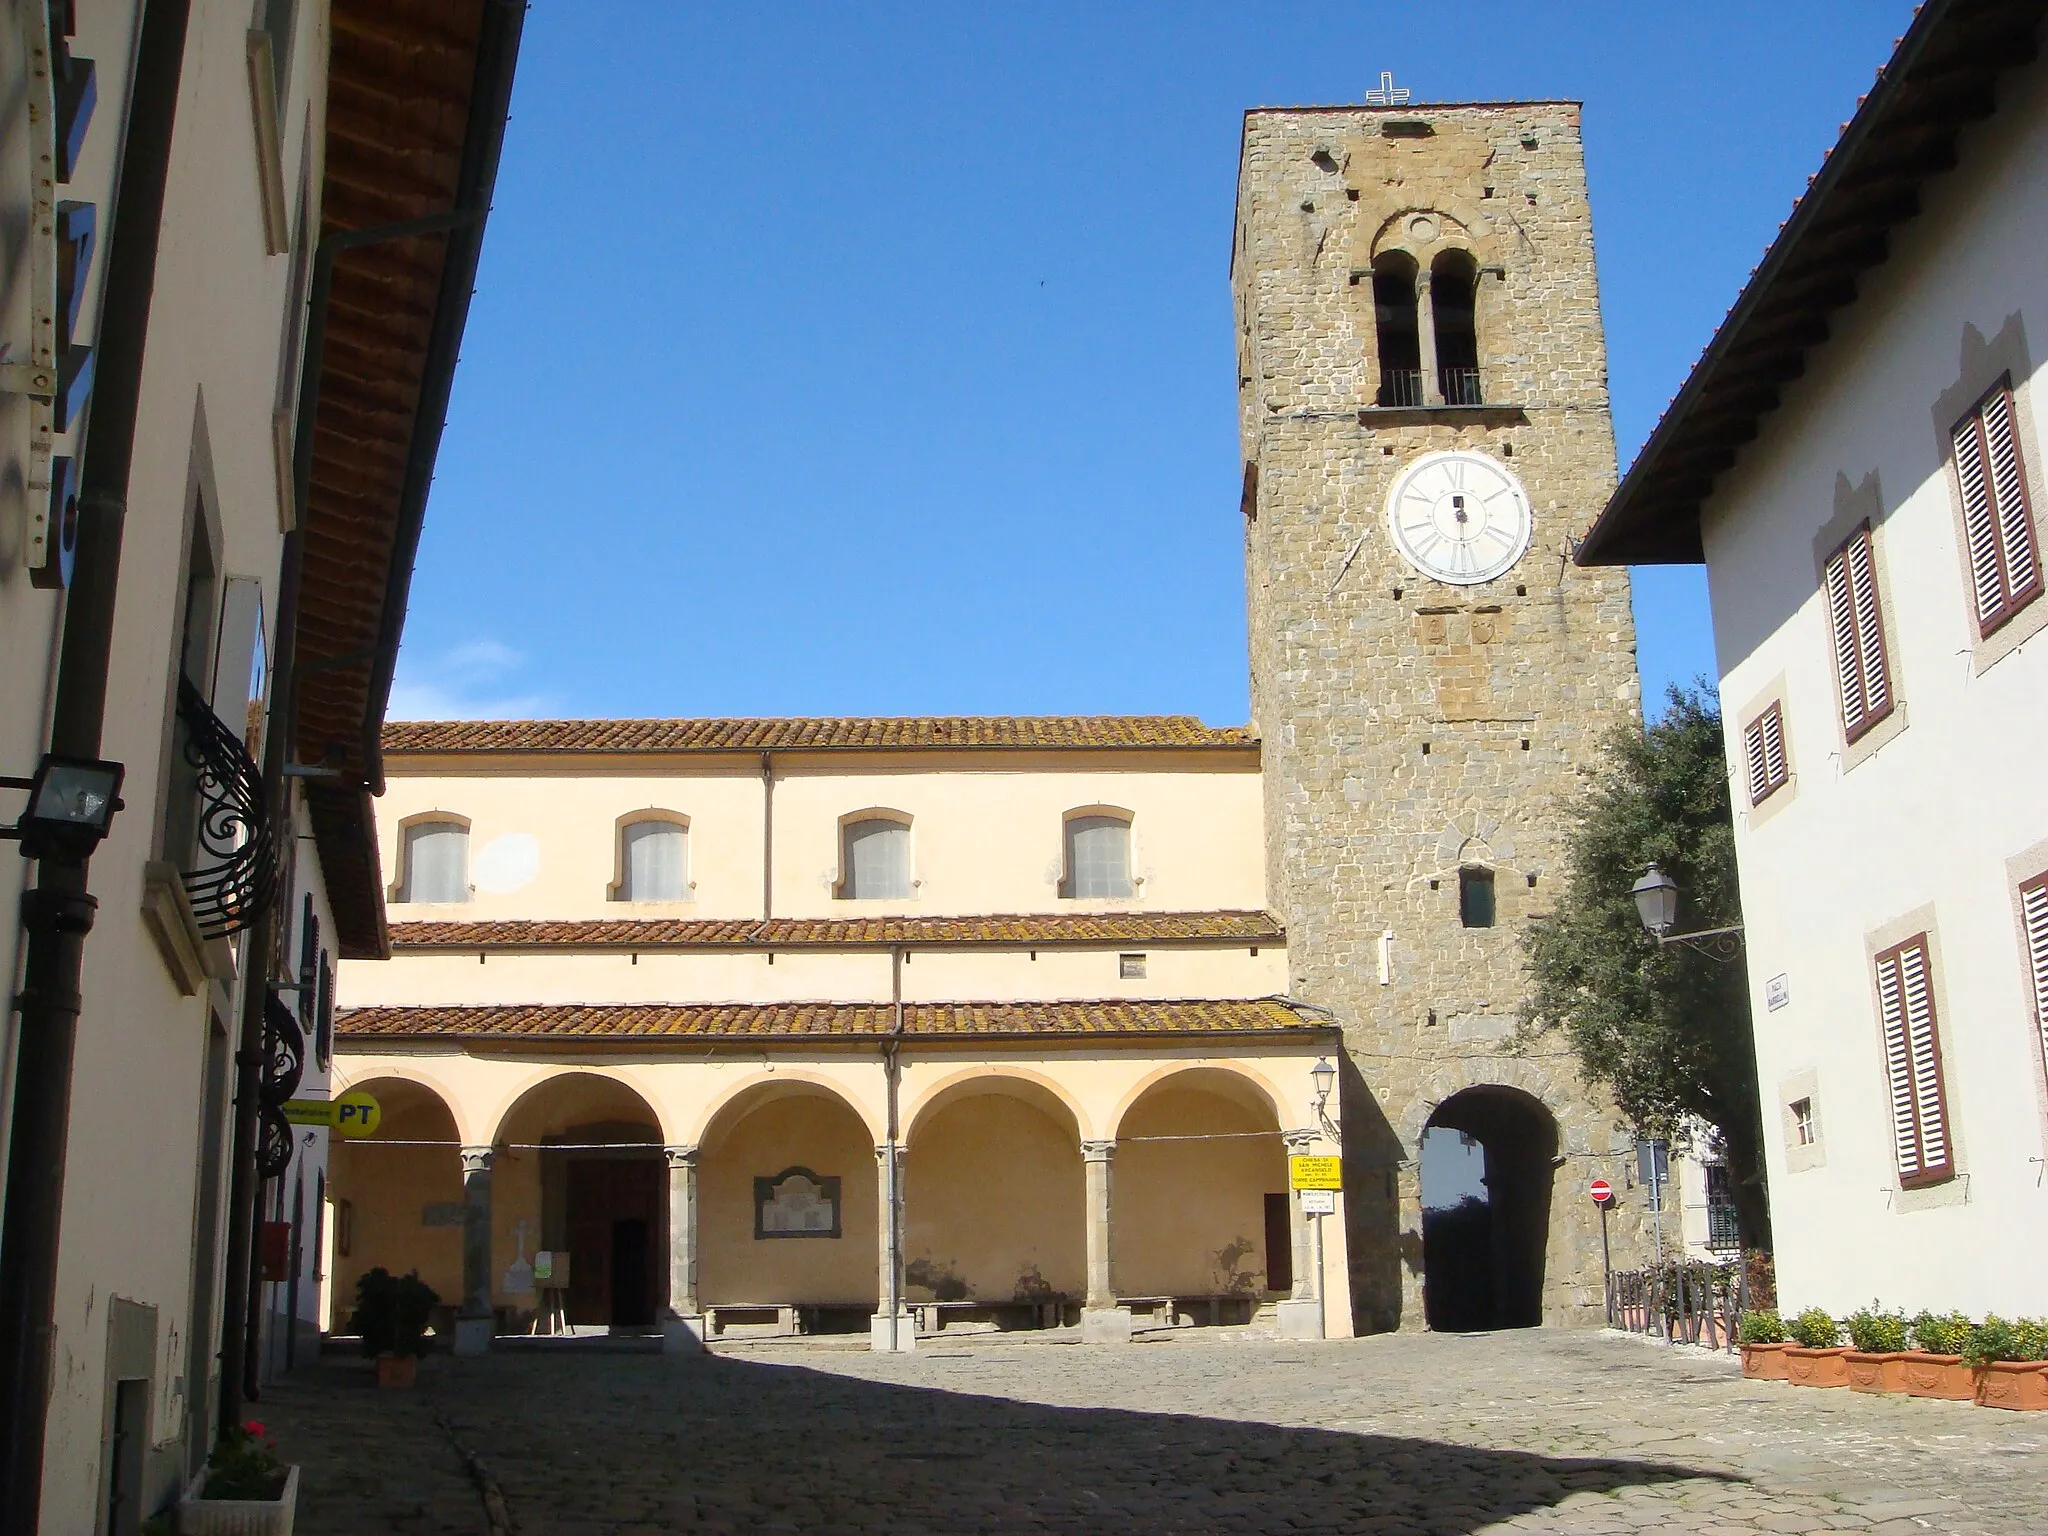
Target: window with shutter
1763 749
1998 525
1912 1051
1862 673
2034 922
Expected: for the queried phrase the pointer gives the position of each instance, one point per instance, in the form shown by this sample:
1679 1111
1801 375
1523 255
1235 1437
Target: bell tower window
1453 302
1400 333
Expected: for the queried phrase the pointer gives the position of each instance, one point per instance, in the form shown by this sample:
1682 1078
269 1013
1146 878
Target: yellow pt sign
352 1115
1315 1172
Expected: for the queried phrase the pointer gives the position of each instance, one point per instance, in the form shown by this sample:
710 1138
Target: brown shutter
1763 747
1753 753
2034 920
1862 671
1998 524
1912 1050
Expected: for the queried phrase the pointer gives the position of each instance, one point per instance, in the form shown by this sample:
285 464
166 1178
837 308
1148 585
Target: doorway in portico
1487 1170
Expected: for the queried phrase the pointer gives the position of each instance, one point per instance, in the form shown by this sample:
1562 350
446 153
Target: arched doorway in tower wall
1487 1175
578 1169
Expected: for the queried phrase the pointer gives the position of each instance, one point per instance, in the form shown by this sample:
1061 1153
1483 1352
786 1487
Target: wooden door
616 1212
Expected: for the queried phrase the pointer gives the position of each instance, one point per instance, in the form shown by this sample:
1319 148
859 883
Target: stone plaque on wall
796 1203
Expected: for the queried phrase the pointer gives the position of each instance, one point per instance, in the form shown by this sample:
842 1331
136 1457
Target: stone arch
776 1122
1453 1077
734 1102
1199 1194
626 1078
1006 1079
1485 1248
577 1168
398 1193
1457 225
1269 1101
365 1080
995 1192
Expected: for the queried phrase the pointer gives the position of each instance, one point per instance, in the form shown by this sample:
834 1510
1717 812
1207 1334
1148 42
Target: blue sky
877 360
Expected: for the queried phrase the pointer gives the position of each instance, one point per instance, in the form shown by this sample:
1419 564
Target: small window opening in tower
1453 292
1400 333
1475 898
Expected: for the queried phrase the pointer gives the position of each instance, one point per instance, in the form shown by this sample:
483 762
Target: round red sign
1601 1191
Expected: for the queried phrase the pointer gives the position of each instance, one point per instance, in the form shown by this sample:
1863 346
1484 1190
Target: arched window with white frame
435 861
653 859
874 857
1098 855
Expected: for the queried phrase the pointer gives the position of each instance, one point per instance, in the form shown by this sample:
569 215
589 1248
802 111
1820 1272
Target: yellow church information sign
1315 1172
352 1115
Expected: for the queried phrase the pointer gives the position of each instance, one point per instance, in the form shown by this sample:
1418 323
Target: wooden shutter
1763 748
1998 523
1862 672
1912 1051
2034 920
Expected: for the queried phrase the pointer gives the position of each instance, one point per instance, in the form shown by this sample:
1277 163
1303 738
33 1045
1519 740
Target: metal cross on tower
1388 94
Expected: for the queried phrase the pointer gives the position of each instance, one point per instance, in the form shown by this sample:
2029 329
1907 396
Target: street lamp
1324 1076
71 803
1656 897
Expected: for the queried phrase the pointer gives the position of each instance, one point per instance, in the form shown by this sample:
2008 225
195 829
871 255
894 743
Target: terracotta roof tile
926 1021
1046 929
884 733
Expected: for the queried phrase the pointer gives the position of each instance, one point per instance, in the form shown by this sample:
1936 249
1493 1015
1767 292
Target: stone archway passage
398 1197
1486 1217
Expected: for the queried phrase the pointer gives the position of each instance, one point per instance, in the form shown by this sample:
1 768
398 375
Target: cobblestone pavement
1592 1434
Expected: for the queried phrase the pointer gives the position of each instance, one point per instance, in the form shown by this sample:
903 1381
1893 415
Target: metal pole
1606 1262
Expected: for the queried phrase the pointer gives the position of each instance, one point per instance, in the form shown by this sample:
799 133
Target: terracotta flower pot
2021 1384
1876 1373
1816 1367
1937 1376
396 1370
1763 1362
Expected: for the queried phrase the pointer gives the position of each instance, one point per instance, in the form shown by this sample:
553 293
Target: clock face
1459 517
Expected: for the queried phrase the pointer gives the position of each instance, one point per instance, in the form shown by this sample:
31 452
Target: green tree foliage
1666 1030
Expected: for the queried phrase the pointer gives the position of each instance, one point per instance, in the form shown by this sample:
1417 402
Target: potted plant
244 1491
391 1316
1934 1365
1877 1346
1814 1358
2006 1361
1763 1346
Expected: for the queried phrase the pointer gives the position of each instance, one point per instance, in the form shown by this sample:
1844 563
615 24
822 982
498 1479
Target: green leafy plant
1941 1335
1877 1333
1815 1329
244 1465
392 1312
1997 1339
1762 1328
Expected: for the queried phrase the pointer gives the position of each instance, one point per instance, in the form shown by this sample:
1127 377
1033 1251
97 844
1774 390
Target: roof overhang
1941 78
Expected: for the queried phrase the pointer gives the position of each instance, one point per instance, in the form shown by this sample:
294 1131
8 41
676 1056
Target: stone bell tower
1422 383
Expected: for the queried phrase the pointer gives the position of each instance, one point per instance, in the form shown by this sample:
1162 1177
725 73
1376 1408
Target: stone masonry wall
1408 726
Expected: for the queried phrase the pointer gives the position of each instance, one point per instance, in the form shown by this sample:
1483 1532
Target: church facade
904 1025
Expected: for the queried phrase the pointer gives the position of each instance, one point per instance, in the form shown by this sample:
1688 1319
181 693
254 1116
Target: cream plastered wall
995 1201
987 829
1190 1216
720 1100
454 978
203 428
1945 817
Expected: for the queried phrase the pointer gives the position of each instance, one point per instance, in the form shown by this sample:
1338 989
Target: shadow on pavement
720 1444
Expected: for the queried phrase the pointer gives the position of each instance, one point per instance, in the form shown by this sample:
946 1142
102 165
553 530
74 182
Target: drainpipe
767 835
59 912
892 1076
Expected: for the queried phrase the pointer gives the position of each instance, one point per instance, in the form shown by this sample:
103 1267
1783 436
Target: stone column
1102 1320
682 1329
474 1323
1425 326
1301 1315
887 1333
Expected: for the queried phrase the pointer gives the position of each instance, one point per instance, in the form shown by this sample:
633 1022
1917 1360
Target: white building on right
1857 459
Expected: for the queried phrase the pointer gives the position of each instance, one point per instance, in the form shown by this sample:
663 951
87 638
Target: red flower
253 1427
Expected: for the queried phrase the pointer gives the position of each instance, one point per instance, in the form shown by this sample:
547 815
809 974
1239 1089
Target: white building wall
1935 825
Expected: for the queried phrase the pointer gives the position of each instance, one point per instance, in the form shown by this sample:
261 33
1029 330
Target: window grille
1098 856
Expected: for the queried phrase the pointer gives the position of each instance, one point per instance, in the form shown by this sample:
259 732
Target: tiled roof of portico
1049 930
796 734
821 1021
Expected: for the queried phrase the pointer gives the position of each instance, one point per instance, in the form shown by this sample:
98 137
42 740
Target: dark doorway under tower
1483 1247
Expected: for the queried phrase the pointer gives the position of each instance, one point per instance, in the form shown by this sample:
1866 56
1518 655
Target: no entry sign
1601 1191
